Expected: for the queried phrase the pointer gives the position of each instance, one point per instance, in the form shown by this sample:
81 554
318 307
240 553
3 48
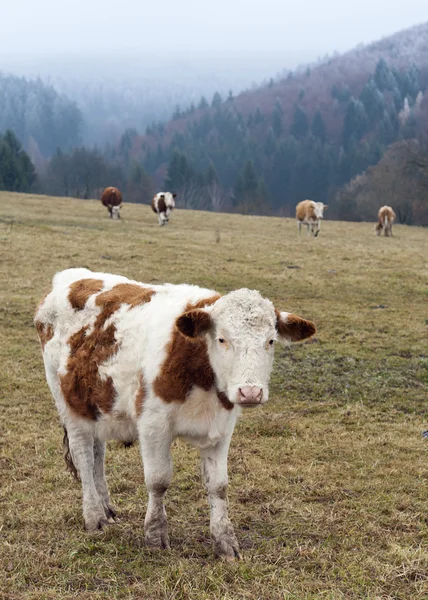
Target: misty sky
280 32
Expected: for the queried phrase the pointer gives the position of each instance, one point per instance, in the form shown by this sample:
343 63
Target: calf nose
250 393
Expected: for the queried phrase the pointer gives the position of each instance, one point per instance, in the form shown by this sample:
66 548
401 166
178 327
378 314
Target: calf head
320 207
240 330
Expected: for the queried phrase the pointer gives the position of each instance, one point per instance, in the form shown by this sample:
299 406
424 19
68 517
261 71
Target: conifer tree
318 127
299 127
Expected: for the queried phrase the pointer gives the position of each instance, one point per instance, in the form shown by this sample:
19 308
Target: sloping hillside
302 136
327 482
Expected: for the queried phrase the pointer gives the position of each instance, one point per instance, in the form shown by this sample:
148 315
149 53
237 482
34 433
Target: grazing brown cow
310 213
385 218
112 199
163 204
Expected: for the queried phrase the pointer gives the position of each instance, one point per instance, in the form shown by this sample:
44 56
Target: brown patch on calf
224 400
204 302
45 332
82 290
187 363
295 328
140 397
83 389
194 323
122 293
86 393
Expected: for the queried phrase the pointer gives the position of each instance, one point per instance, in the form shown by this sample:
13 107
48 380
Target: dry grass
328 482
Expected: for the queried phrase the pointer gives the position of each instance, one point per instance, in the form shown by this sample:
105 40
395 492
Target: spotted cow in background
310 213
111 198
385 218
128 361
163 204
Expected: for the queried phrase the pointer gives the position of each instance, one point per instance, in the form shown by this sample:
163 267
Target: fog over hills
123 90
131 63
233 108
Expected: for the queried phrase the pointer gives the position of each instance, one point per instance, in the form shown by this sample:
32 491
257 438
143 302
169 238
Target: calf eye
271 342
221 340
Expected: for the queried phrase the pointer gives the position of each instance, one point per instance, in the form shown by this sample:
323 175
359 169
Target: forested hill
41 118
302 136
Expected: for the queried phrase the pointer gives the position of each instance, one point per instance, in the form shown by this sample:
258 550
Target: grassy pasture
328 482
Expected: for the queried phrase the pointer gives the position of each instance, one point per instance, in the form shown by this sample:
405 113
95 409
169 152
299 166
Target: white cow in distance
126 360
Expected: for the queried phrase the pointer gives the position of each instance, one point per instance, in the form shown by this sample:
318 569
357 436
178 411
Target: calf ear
325 206
293 328
194 323
174 195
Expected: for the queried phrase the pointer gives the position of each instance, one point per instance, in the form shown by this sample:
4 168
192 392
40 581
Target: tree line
266 162
221 157
17 172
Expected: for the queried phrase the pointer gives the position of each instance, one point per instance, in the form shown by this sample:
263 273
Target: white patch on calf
319 209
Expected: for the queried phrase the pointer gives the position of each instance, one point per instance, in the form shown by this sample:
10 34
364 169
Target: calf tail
70 466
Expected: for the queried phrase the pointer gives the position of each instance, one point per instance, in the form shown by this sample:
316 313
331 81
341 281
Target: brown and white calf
385 218
163 204
310 213
111 198
128 361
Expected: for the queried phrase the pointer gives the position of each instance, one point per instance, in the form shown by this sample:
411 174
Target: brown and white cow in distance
385 218
163 204
111 198
128 361
310 213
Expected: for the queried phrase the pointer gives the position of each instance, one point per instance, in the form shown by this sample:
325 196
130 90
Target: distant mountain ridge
302 136
351 68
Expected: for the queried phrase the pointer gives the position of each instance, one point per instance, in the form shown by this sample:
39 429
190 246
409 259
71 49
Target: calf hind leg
100 479
81 444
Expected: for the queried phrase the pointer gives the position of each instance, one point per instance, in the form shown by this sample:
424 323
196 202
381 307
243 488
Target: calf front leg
155 450
214 473
317 227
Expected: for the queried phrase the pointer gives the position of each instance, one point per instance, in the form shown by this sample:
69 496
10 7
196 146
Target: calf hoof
227 548
97 519
157 539
111 514
95 523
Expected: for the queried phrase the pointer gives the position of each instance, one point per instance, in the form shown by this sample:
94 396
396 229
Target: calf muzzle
250 395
